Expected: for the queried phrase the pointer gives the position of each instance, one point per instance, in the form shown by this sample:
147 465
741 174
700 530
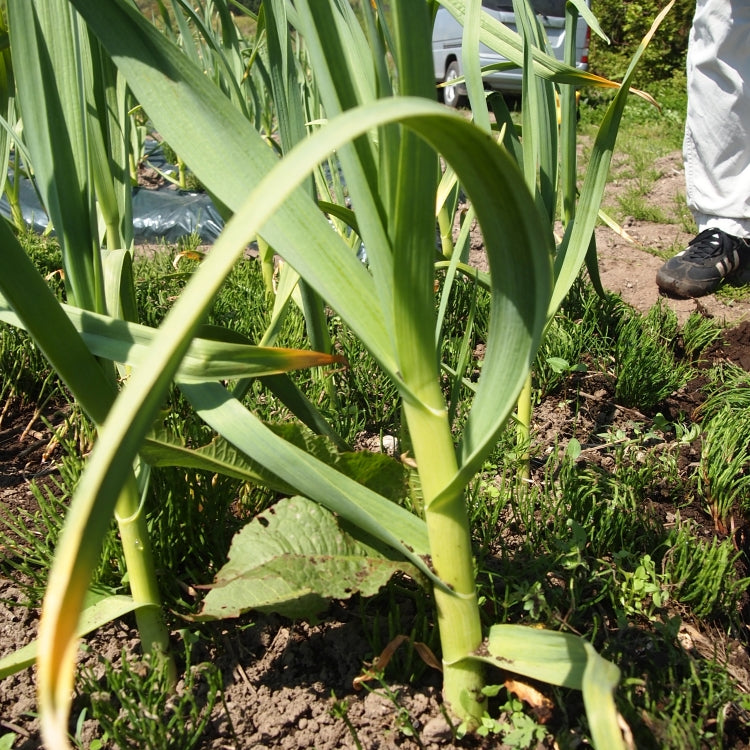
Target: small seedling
137 706
403 719
640 591
513 726
684 433
340 710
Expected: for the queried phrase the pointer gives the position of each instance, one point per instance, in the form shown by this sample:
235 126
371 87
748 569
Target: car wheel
453 95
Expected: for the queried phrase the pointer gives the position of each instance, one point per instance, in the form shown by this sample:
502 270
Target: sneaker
701 267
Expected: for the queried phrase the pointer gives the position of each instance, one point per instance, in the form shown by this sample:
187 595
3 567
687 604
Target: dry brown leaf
541 706
381 662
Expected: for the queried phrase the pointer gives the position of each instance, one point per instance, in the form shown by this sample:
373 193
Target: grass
733 292
646 135
582 547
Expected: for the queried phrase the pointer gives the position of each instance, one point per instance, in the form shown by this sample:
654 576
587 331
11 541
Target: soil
283 681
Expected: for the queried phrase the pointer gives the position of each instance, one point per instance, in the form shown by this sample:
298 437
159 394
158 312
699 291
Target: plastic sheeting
164 214
168 214
159 215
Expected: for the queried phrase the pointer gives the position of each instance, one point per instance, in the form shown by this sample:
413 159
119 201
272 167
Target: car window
549 7
543 7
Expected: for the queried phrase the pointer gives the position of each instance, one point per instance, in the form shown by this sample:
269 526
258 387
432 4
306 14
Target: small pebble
437 731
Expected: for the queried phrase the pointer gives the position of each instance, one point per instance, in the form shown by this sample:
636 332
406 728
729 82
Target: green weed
685 215
698 333
137 705
724 474
340 710
29 537
646 370
733 291
675 699
634 202
403 609
702 574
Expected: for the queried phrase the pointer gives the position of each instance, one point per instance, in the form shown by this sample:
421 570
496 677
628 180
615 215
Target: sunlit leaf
100 611
292 559
561 659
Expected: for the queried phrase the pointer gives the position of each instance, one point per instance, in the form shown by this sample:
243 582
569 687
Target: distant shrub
626 23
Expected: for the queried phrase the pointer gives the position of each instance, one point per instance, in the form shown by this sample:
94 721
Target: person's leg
716 149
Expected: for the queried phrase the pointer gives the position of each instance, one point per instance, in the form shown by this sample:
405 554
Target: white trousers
717 129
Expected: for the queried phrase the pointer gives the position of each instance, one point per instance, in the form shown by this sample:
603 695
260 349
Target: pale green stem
524 426
445 222
182 173
136 545
15 209
12 193
265 252
113 236
132 168
450 545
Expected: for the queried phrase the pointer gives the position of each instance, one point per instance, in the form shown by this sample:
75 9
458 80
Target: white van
446 47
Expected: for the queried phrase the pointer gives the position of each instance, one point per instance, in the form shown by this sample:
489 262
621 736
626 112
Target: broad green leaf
292 559
363 508
206 359
576 242
376 471
99 611
561 659
230 157
558 364
51 34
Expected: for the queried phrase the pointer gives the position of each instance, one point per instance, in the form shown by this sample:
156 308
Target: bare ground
628 266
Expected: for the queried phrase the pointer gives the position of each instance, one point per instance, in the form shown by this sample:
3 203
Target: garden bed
292 684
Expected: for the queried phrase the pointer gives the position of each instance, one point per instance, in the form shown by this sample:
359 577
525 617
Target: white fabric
717 129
